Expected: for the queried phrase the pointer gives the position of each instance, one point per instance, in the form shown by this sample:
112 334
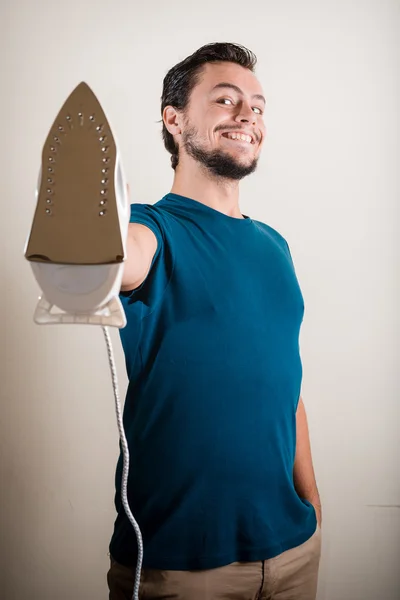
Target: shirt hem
216 561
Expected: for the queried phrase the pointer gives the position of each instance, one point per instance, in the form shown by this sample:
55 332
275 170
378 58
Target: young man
221 476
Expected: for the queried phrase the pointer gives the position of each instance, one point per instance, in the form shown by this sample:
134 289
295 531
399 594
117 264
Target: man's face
223 124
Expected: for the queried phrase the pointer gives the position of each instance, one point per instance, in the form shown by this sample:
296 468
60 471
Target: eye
224 100
257 110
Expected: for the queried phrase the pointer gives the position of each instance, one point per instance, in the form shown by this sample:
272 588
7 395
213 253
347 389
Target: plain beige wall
328 181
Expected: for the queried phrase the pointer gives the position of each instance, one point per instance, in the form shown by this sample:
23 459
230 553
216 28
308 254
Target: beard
216 162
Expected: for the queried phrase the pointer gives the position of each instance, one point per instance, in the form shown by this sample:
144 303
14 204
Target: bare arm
303 473
140 249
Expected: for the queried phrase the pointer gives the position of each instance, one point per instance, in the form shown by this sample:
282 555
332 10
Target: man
221 476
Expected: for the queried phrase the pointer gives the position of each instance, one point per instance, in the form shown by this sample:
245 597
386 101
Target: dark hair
183 77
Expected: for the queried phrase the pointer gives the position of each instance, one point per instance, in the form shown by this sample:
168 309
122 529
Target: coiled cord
125 470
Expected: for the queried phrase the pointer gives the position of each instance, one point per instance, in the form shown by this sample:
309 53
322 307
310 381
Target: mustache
226 128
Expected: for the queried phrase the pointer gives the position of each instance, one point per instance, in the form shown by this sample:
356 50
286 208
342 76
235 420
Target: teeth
240 136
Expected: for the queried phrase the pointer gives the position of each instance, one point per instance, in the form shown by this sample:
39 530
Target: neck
217 193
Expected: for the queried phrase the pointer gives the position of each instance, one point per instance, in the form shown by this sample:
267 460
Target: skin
212 111
303 471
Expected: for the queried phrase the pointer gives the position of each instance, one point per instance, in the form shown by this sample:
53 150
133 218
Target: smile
240 137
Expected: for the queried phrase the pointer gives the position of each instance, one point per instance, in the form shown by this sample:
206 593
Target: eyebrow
237 89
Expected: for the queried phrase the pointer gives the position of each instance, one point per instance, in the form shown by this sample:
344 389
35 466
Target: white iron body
83 291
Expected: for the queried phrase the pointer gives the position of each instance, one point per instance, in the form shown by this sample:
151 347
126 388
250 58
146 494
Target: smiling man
221 477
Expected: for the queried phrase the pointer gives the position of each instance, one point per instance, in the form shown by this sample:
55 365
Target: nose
245 114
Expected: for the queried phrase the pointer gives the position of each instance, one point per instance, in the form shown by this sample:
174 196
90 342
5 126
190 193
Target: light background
328 180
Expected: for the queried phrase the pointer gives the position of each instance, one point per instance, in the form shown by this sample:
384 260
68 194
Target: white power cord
125 471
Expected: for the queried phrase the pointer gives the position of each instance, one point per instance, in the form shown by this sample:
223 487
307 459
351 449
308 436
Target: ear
172 120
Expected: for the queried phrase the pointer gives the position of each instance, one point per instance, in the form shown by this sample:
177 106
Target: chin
243 159
246 154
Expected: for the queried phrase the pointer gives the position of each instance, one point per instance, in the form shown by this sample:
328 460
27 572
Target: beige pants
293 575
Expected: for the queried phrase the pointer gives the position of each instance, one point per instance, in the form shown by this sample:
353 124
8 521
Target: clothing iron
77 243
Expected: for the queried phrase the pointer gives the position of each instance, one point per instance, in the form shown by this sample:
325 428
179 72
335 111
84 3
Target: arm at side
303 473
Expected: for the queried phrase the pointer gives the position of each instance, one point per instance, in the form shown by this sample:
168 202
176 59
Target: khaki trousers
293 575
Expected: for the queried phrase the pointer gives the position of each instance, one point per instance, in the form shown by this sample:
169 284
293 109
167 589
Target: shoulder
140 208
271 233
151 216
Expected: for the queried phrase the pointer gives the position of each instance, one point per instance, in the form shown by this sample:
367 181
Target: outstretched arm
140 248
